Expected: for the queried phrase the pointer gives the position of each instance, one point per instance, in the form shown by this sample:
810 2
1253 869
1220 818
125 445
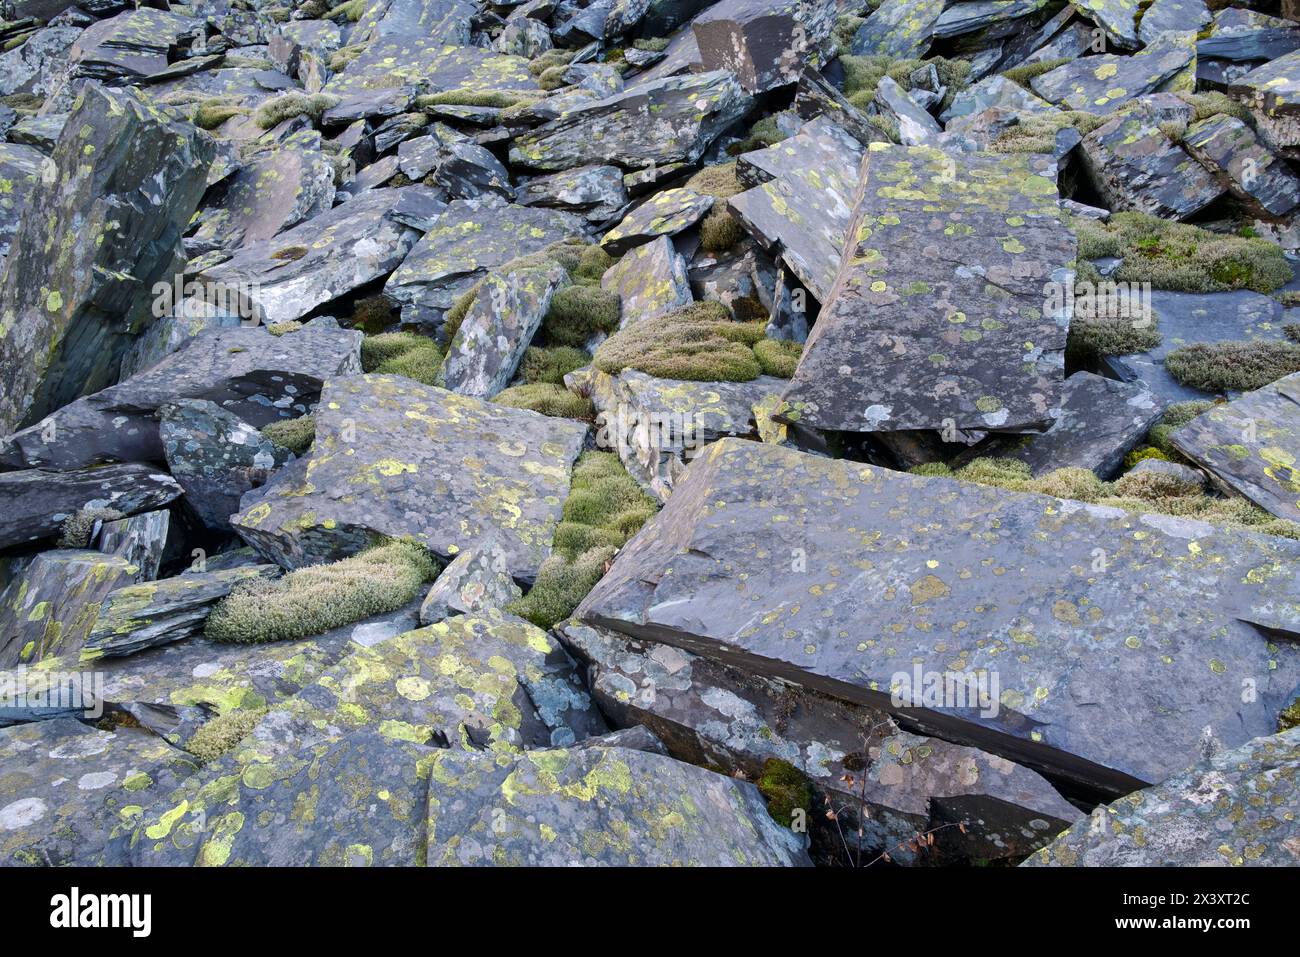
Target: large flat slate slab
1114 639
937 318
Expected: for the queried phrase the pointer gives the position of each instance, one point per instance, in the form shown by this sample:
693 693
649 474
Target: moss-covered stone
787 790
296 435
219 735
579 312
287 106
700 342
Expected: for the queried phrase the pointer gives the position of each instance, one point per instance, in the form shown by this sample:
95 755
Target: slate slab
650 280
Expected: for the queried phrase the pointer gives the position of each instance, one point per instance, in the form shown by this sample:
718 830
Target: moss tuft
1233 366
283 327
220 734
1142 454
318 598
550 364
77 528
351 10
778 357
578 312
1174 417
296 435
402 353
1289 717
210 115
787 790
700 342
592 264
863 73
1022 74
548 399
287 106
373 314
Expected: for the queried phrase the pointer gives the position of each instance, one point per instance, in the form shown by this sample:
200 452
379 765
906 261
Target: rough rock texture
667 214
393 457
911 336
650 280
879 581
763 42
476 579
1234 809
117 217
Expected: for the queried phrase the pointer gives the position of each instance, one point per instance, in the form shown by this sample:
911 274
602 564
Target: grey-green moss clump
719 230
548 399
700 342
402 353
1037 133
762 134
1233 366
220 734
579 312
313 600
550 364
787 790
1024 73
77 528
296 435
287 106
778 357
863 73
604 509
1181 257
1290 717
1132 492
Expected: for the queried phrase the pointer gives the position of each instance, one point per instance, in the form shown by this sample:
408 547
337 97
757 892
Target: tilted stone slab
477 579
127 179
393 457
249 373
937 316
598 806
140 539
19 167
447 21
763 42
650 280
1235 809
1099 422
596 192
1254 174
726 719
802 215
898 28
1179 16
1102 84
329 255
1117 17
67 785
666 213
51 604
37 501
1114 639
669 120
1244 35
1251 446
1273 94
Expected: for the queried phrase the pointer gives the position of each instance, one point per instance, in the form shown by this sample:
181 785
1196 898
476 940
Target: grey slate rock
666 213
594 192
763 42
959 19
916 127
20 168
1117 17
1179 16
1103 680
467 171
37 65
393 457
1241 35
1226 145
66 318
1272 92
476 579
140 539
37 501
1102 84
898 28
650 280
1234 809
937 321
184 320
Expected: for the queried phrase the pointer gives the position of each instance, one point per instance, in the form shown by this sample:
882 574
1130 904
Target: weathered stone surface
1251 445
1234 809
1117 17
393 457
67 785
722 718
166 334
247 371
1099 421
497 329
916 127
669 120
140 539
1102 84
650 280
814 96
598 806
958 19
763 42
36 66
215 455
468 239
1226 144
1136 166
476 579
1247 35
50 606
135 617
994 91
913 335
1187 317
329 255
1178 16
130 46
898 28
594 192
467 171
19 168
37 501
802 215
1104 680
127 181
446 21
1273 92
667 213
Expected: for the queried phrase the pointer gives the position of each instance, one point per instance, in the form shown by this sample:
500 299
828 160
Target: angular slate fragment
937 317
1102 84
468 239
669 120
1227 145
802 215
595 192
650 280
19 168
666 213
1179 16
476 579
184 320
994 91
127 180
860 582
1243 35
393 457
1117 17
136 617
67 785
898 28
1235 809
598 806
916 127
140 539
959 19
466 171
497 329
249 372
1251 445
1273 93
727 720
329 255
814 97
50 605
1136 166
37 501
131 46
447 21
1099 422
763 42
36 66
